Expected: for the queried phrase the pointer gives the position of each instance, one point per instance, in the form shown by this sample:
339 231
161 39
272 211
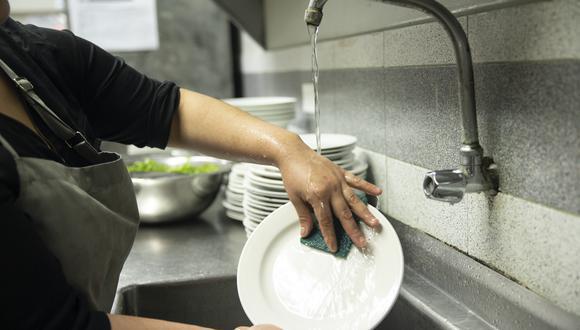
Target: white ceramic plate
249 224
260 102
257 180
254 219
232 197
236 185
231 207
359 167
266 186
266 193
330 141
339 155
265 199
257 213
236 190
283 282
235 215
266 173
262 205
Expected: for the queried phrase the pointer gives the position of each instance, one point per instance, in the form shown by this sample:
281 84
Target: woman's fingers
324 216
359 208
360 184
344 214
304 217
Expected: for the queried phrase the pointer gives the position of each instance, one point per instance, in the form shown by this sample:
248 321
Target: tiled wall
397 92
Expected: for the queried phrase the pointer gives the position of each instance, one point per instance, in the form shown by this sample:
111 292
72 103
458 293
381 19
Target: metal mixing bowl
165 197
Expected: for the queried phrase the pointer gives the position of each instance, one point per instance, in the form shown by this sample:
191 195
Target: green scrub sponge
344 243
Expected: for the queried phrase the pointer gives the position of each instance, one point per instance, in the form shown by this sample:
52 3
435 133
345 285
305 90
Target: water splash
338 294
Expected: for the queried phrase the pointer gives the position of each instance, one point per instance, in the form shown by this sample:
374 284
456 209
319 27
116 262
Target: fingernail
374 221
331 247
302 231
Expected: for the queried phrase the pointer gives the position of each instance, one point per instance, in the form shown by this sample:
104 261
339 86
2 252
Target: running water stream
313 33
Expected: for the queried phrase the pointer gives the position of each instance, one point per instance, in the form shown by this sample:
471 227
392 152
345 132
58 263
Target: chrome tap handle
445 186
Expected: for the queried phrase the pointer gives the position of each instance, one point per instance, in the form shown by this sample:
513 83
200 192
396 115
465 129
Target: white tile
538 31
406 202
377 171
537 245
256 59
424 44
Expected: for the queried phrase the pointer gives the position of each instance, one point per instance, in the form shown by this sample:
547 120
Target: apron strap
8 147
72 138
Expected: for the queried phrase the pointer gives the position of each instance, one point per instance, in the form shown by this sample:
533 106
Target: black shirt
97 94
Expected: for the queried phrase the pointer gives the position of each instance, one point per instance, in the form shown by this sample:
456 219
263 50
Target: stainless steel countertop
208 246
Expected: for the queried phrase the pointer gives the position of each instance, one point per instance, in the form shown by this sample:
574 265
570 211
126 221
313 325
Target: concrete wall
396 91
195 48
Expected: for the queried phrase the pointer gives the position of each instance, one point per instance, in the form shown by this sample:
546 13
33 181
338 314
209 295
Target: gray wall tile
423 121
425 44
364 51
539 31
279 84
529 119
358 106
530 123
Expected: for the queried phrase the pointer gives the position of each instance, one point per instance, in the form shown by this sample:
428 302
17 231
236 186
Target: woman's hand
315 183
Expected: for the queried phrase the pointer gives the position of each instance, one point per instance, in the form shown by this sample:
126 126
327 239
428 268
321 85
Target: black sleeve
122 104
35 293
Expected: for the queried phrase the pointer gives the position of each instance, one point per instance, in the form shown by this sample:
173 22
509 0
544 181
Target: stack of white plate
276 110
264 192
235 192
263 187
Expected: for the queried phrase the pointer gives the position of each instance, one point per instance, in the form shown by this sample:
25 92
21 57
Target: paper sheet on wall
116 25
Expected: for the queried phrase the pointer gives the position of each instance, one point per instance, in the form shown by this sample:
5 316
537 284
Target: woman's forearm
218 129
123 322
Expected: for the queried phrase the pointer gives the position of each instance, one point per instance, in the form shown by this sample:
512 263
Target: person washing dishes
68 211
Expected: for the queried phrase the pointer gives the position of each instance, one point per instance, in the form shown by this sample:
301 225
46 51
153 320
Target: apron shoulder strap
72 138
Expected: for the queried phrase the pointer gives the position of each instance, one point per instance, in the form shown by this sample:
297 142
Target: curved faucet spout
313 14
464 61
476 173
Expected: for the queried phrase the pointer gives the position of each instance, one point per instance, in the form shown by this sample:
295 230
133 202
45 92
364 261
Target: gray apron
87 216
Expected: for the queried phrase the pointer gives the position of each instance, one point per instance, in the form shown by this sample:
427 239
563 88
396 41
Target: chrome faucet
313 14
476 173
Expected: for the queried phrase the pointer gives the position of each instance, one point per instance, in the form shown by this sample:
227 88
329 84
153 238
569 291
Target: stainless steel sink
442 289
214 303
